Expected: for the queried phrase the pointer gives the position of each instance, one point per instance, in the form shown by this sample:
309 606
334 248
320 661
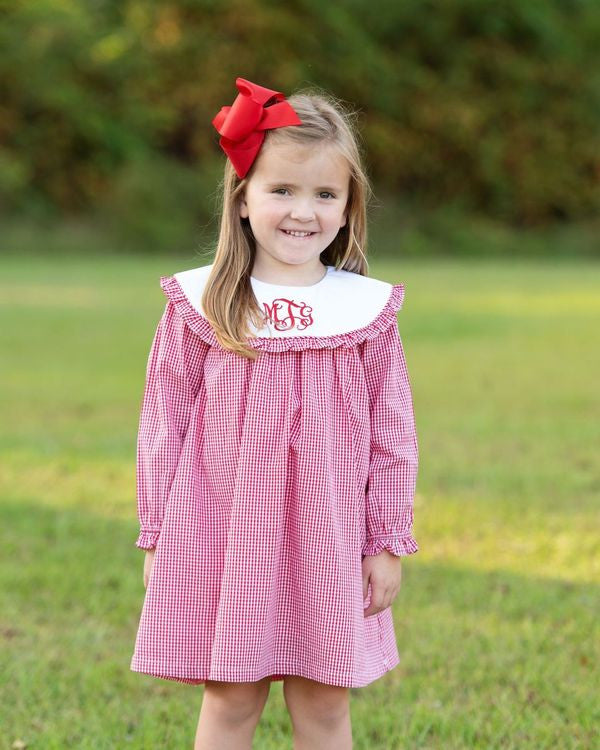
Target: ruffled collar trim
202 327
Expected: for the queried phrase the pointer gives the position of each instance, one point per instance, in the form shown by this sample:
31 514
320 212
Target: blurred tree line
492 106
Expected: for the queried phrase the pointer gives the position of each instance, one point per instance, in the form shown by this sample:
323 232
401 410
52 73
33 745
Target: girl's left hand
384 571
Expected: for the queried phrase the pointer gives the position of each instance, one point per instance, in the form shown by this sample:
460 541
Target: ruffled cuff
147 539
404 545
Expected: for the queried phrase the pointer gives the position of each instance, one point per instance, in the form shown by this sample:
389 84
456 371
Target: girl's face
295 188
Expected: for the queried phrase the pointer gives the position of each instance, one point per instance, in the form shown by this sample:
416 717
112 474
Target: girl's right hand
148 560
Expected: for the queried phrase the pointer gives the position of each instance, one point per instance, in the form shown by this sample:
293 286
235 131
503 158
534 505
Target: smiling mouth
298 235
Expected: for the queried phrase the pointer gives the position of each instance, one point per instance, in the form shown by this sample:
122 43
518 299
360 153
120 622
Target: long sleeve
173 375
394 451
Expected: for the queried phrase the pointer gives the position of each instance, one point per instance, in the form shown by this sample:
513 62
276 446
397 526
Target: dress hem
156 671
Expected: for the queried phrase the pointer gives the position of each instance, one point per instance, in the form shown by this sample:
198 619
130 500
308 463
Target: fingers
381 598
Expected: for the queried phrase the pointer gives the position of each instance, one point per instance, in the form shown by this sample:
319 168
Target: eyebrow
289 184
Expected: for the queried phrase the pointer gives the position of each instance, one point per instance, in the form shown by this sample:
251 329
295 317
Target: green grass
497 618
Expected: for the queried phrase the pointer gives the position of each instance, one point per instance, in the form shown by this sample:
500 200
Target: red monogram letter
285 314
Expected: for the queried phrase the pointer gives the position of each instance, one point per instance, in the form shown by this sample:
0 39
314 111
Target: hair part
228 299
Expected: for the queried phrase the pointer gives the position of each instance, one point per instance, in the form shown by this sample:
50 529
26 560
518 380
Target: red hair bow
242 125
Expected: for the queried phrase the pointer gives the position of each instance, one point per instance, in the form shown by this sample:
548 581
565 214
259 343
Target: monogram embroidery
285 314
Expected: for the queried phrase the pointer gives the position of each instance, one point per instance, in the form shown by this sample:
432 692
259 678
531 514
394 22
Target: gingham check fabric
262 484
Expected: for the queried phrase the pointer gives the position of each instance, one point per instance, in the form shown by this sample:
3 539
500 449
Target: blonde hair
228 300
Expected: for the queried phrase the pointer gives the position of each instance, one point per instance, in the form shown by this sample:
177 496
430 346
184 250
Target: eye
278 189
326 192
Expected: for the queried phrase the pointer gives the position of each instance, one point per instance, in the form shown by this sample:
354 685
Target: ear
243 207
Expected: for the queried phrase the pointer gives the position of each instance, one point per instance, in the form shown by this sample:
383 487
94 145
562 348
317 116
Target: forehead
322 164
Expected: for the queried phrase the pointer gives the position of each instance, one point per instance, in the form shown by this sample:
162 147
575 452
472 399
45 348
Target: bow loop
242 125
239 120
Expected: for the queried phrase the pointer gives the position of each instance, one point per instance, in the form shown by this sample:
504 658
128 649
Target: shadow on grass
485 644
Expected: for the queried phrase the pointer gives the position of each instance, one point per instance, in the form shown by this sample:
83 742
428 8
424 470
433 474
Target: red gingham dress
263 484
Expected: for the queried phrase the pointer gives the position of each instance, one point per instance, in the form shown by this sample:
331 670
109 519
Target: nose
302 211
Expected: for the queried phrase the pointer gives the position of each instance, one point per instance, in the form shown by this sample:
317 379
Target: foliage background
468 108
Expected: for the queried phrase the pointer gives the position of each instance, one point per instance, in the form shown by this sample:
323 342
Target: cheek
271 215
334 219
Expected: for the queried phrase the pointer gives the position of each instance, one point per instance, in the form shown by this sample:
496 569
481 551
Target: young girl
277 452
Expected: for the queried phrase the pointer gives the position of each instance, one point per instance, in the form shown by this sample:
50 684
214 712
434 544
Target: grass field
498 616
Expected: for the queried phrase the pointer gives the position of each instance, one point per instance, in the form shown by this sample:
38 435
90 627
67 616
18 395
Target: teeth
297 234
